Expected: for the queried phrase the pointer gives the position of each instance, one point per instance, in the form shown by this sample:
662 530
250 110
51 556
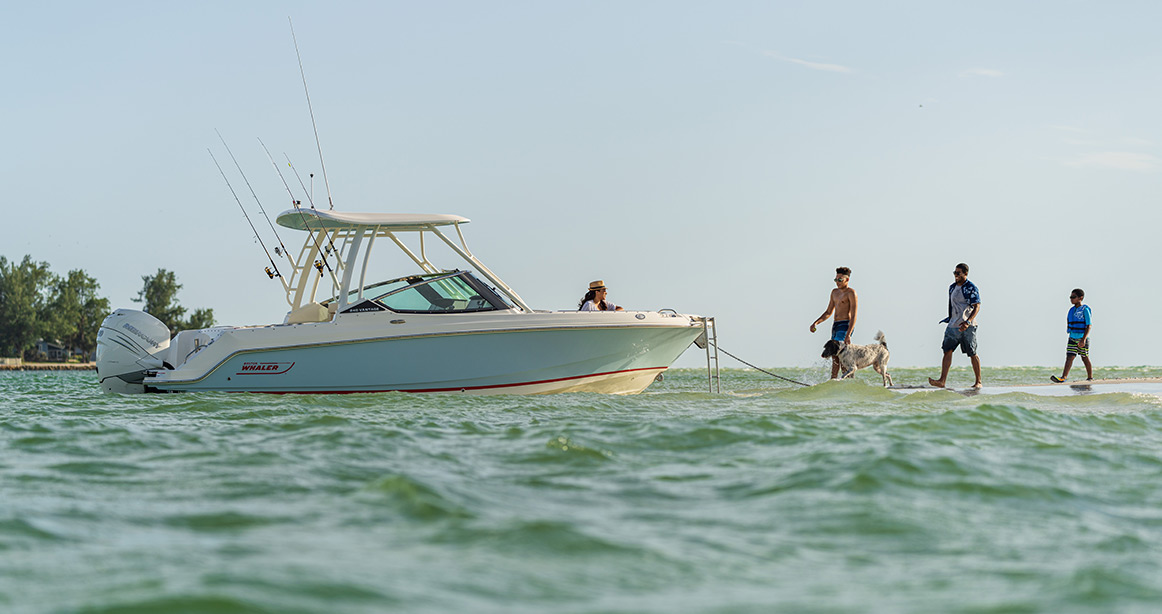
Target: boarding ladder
708 341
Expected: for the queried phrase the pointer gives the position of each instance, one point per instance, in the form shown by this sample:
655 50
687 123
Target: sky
714 158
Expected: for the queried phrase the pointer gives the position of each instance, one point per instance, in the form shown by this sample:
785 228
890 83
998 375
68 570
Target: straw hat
597 285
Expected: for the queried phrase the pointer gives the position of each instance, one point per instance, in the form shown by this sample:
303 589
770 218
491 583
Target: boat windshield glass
455 292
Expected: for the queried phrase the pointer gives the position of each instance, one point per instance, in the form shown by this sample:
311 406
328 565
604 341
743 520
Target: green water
843 497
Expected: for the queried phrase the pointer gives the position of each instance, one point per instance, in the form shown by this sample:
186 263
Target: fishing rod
330 203
309 199
294 203
260 207
300 178
269 274
302 216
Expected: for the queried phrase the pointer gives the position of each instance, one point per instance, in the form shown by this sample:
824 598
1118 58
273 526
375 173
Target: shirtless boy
844 304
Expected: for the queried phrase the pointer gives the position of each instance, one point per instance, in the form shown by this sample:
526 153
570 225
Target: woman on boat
595 299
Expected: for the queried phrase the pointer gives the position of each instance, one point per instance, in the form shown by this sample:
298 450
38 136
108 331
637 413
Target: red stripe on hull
458 388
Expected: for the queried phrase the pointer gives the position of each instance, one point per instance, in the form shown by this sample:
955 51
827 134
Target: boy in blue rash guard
1078 322
844 304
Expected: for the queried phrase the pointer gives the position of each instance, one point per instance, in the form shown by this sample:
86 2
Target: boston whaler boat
437 330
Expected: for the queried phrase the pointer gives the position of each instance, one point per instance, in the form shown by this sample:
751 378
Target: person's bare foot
978 385
935 382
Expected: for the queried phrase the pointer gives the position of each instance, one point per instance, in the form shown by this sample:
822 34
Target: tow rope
720 348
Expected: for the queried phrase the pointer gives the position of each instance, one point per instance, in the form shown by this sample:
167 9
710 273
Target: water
843 497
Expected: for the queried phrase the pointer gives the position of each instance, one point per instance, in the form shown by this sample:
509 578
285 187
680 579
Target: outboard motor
129 343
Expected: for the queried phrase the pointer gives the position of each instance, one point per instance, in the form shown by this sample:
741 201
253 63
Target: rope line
759 369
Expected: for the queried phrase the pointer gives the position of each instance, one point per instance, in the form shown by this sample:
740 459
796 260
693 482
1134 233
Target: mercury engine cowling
129 343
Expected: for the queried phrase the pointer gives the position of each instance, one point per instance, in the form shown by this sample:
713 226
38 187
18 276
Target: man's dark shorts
966 339
839 330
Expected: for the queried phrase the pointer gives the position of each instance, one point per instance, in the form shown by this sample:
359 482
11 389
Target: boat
459 330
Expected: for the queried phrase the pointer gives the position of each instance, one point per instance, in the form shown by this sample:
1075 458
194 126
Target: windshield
455 292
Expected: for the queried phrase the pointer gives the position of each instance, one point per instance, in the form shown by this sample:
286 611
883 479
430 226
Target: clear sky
719 158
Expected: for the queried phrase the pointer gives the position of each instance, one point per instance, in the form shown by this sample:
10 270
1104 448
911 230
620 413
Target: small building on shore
51 351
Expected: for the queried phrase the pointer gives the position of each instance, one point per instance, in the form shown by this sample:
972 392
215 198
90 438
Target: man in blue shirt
963 308
1078 322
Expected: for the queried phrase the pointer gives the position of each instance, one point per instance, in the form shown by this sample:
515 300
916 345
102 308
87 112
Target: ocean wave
838 497
413 498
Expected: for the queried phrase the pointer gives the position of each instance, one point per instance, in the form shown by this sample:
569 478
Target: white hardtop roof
312 219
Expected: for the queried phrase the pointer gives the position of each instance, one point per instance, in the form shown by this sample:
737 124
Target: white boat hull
495 353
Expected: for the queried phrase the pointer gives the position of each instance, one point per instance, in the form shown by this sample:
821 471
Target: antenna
260 208
299 177
330 203
295 203
247 216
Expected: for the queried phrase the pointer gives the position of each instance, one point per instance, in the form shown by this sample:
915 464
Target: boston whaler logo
264 368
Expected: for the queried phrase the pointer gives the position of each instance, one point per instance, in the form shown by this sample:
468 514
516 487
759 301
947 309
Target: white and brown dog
852 357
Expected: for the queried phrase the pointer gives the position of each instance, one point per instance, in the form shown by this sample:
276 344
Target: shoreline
51 366
92 366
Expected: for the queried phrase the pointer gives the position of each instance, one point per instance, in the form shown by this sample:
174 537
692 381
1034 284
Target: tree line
36 304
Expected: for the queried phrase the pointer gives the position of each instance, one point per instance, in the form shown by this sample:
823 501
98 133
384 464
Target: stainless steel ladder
708 341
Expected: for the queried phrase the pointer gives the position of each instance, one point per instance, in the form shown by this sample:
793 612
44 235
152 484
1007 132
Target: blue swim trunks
839 330
964 339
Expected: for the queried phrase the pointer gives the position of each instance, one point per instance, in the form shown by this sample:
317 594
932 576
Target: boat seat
311 312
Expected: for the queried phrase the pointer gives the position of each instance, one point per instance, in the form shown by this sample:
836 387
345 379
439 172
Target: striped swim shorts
1074 347
839 330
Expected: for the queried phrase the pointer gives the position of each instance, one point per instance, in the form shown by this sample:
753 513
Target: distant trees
37 304
22 304
74 312
159 293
